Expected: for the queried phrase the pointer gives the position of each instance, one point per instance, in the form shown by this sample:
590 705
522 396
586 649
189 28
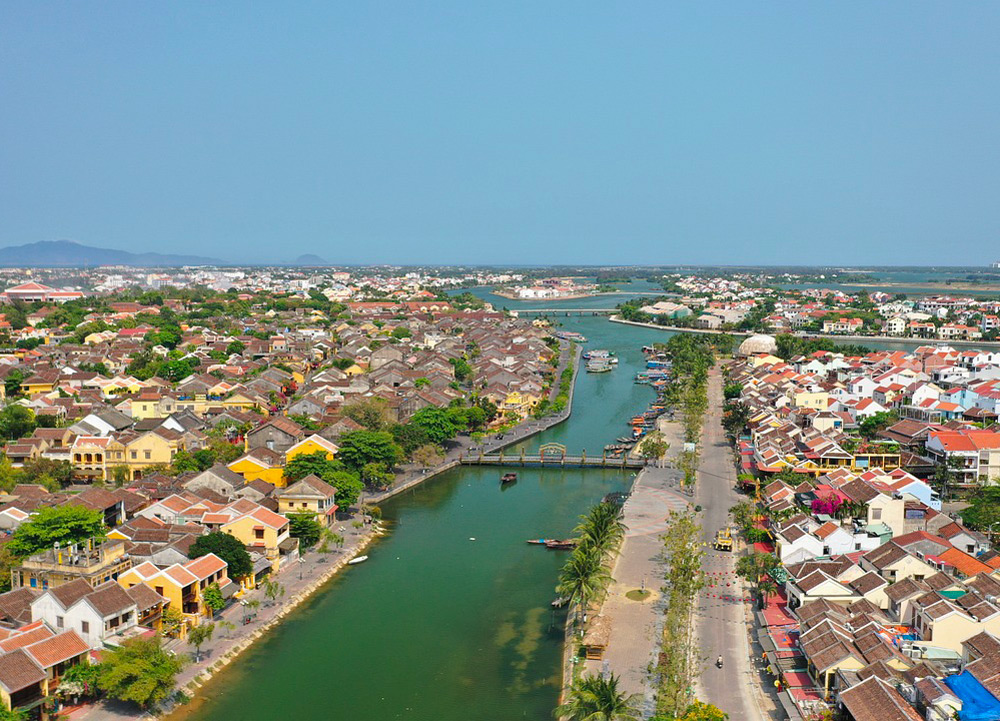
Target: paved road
721 624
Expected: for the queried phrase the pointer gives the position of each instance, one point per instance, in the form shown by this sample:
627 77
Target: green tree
437 422
12 383
306 528
348 486
983 513
736 417
870 427
226 547
139 671
376 476
372 413
59 471
463 371
273 590
213 599
64 525
235 348
172 622
595 698
305 464
653 446
409 437
358 448
199 636
16 422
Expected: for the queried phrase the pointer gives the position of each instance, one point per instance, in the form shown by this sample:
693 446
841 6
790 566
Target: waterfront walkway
636 626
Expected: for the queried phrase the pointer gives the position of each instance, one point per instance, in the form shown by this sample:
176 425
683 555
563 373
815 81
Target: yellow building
260 464
138 452
820 400
183 585
312 444
256 527
309 495
94 563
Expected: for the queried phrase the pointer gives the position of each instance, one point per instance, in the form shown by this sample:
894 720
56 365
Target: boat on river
561 545
358 559
508 478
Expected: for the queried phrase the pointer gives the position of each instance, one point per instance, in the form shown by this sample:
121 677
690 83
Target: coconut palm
583 577
766 589
594 698
601 528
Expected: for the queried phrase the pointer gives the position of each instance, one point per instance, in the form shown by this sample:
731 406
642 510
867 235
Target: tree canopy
65 525
358 448
140 671
226 547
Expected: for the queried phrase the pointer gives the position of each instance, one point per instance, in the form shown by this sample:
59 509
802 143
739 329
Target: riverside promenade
637 625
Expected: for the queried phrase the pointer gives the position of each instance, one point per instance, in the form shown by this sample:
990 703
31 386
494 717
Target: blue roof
978 704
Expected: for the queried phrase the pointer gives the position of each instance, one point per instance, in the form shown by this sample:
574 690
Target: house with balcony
183 585
972 454
309 495
95 562
33 659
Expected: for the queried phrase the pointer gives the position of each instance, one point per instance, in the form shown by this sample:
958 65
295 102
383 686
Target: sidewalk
636 626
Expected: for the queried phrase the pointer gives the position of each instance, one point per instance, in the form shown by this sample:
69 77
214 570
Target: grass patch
638 595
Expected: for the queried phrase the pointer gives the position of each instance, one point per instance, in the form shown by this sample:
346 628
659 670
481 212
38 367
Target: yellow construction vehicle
723 540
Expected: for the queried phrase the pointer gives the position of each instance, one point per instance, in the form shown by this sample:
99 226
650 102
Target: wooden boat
359 559
560 602
540 541
508 478
561 545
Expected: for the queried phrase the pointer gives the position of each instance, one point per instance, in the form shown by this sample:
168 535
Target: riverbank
854 338
414 476
301 582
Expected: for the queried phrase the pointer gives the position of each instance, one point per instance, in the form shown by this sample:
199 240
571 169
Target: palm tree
583 577
602 527
594 698
766 589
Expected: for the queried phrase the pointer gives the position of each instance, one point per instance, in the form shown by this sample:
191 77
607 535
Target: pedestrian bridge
550 455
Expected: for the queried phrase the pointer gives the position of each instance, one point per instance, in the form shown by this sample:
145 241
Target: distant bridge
565 311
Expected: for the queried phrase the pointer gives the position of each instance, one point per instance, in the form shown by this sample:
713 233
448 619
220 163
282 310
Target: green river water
436 627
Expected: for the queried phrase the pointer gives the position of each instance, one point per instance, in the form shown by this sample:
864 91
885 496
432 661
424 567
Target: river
435 626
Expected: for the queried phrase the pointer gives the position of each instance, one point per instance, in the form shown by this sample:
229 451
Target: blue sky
522 132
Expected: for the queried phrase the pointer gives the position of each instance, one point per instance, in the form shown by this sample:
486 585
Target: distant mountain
67 254
310 259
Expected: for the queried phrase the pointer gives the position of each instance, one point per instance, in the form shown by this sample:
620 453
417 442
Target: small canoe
508 478
539 541
560 545
359 559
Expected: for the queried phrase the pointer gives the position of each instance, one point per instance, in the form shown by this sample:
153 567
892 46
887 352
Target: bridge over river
551 455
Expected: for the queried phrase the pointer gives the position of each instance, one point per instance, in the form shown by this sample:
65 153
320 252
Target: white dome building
757 344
